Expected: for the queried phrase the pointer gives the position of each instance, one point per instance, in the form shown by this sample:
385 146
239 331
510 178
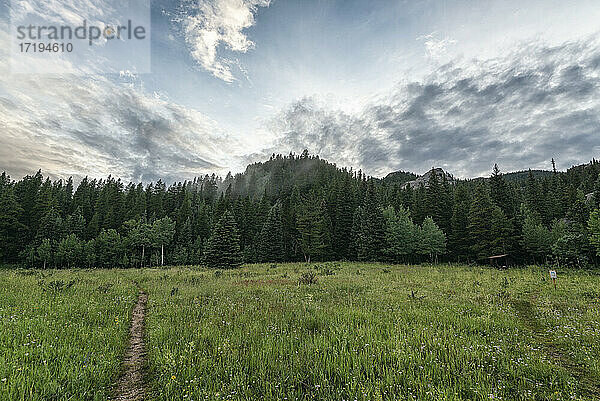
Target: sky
378 85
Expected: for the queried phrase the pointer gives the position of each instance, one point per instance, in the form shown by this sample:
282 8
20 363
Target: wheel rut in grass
130 385
588 382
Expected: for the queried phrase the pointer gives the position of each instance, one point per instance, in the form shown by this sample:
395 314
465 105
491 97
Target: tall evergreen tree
313 228
480 223
459 241
11 228
594 229
499 192
270 242
223 247
342 229
400 234
372 230
500 232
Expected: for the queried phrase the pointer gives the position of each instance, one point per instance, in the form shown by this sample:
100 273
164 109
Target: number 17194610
32 47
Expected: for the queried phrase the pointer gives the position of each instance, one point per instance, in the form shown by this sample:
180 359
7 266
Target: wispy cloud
212 24
437 47
519 110
77 125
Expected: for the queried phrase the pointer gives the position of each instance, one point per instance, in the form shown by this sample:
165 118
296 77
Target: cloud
77 125
210 24
62 12
519 110
436 47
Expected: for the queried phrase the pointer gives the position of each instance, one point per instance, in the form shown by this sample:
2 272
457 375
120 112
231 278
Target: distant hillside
279 175
519 176
585 176
399 177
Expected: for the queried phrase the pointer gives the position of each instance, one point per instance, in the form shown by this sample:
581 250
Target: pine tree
533 196
459 242
500 232
313 228
223 247
372 231
433 197
109 248
594 230
597 192
75 224
342 230
270 240
480 224
578 212
11 228
356 235
399 233
499 192
26 193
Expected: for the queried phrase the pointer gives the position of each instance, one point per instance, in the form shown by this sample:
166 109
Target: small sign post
553 277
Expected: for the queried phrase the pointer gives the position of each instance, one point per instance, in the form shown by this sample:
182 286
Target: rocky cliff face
424 179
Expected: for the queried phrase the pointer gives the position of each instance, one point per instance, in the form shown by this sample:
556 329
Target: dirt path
588 382
130 386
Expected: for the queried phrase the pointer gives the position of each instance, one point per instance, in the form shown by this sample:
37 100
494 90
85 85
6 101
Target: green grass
362 332
468 333
59 343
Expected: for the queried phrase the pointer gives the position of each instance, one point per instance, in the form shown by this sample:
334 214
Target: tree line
301 208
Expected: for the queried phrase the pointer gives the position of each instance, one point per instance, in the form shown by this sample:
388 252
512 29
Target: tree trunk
142 261
44 264
162 255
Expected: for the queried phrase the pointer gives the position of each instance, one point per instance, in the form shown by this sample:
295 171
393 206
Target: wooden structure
501 261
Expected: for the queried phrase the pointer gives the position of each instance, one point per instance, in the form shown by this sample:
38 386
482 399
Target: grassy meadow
62 333
360 332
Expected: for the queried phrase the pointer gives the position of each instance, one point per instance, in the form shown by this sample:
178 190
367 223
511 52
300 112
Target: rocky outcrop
424 179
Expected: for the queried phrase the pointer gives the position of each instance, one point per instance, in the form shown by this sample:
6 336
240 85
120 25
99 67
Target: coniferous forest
302 208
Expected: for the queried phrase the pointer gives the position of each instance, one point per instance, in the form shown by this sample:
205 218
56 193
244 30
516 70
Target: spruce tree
433 197
499 192
500 232
399 234
223 246
372 231
597 192
11 228
480 223
594 230
270 242
109 248
342 229
459 242
313 228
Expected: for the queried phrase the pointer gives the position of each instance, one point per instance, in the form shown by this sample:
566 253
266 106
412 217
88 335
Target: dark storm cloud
520 111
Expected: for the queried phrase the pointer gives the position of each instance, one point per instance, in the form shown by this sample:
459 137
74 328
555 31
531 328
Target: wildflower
173 377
